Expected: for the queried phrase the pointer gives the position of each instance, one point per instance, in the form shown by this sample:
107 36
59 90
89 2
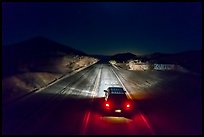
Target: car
117 103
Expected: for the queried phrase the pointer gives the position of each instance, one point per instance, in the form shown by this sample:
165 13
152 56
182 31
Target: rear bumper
118 112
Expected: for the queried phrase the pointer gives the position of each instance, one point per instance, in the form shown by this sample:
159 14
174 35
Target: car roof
116 90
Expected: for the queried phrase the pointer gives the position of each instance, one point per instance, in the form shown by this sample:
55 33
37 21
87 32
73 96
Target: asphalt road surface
73 106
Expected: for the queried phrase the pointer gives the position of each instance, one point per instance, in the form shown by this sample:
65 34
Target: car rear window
117 97
117 90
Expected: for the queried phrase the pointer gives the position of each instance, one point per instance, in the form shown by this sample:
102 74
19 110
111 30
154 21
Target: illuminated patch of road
88 113
115 120
96 85
108 79
115 66
81 93
122 84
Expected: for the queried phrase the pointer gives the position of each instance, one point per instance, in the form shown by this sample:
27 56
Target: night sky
107 28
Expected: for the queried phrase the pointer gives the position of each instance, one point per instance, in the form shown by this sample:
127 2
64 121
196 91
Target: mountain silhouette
37 49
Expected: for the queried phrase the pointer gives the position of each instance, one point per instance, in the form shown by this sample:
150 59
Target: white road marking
128 94
96 85
115 66
142 116
88 113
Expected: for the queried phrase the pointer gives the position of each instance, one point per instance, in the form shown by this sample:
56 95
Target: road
73 104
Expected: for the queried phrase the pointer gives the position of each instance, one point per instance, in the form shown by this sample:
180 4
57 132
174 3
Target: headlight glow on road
112 119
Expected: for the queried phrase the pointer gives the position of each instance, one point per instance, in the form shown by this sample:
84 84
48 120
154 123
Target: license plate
118 110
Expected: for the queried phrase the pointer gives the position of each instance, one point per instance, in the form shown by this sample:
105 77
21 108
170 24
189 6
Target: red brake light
107 105
128 105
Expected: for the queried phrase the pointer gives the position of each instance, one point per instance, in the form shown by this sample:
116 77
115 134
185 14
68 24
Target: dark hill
35 50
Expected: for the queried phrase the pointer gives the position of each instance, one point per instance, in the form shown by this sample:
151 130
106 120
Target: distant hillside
38 47
123 57
191 60
37 50
36 63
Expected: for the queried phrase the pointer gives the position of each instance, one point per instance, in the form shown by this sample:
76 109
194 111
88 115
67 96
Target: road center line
128 94
142 116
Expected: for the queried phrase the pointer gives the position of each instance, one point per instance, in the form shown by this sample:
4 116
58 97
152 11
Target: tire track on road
140 113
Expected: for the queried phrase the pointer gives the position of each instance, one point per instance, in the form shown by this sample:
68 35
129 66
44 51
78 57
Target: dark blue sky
107 28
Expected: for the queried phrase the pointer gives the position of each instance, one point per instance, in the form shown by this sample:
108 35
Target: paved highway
73 104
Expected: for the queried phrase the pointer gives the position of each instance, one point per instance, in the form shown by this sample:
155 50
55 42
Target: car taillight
128 105
107 105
